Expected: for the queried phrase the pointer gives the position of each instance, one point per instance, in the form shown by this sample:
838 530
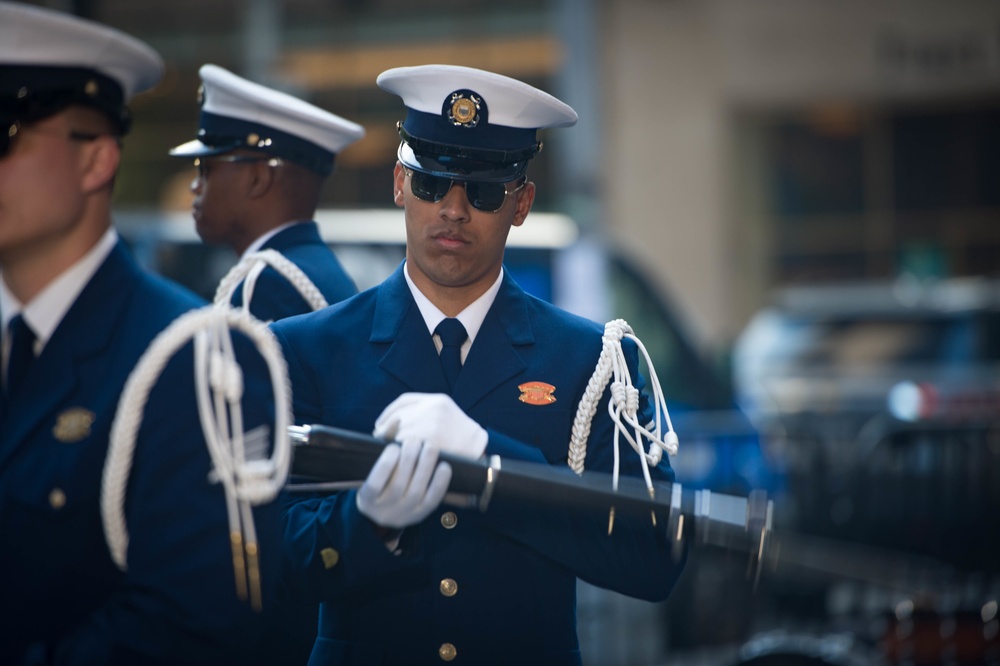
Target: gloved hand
433 418
406 483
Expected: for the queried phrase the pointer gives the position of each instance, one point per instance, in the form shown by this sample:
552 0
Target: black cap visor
459 168
198 149
32 93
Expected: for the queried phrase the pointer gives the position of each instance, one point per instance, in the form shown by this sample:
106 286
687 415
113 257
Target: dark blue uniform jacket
511 573
64 601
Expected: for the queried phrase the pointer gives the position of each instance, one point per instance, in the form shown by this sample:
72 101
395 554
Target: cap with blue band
240 114
50 60
467 123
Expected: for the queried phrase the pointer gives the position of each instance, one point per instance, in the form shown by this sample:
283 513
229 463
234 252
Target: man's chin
206 236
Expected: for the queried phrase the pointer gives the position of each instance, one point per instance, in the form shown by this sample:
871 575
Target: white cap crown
240 114
467 122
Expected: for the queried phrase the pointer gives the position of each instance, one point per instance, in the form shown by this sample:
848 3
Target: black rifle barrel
742 524
333 455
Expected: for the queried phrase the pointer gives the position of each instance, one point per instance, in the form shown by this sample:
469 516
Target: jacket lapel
81 334
411 356
495 356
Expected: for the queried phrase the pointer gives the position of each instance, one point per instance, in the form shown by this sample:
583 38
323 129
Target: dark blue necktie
22 353
452 335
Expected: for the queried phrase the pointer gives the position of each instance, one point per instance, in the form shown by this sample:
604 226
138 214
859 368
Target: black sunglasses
487 197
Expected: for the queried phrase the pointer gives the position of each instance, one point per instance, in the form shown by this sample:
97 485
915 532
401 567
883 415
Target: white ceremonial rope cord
623 407
219 389
249 269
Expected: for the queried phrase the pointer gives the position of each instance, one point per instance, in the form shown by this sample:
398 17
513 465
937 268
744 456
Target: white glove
433 418
406 483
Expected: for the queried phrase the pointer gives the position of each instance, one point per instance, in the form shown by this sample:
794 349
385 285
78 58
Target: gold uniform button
449 587
449 519
330 557
447 652
57 498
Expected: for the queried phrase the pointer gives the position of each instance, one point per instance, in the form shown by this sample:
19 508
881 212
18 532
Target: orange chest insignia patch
537 393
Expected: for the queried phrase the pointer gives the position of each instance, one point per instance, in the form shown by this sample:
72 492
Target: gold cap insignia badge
464 108
73 424
537 393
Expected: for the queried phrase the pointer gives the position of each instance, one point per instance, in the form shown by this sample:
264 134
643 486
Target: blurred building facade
741 145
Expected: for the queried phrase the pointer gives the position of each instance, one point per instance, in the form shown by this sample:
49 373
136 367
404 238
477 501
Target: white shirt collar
471 317
48 308
259 243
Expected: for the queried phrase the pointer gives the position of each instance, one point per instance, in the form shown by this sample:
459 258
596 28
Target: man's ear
525 199
261 179
100 158
398 180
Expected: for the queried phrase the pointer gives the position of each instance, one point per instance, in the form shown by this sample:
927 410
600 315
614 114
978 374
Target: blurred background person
262 157
77 315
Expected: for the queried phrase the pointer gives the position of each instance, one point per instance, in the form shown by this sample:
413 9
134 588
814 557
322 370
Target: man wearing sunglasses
262 158
77 315
450 354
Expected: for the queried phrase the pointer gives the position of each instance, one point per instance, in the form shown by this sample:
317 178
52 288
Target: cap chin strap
249 269
248 477
623 407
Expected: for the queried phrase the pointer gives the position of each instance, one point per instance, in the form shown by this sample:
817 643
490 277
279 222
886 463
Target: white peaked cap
240 114
468 123
51 54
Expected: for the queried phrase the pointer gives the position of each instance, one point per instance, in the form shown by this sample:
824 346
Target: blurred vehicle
831 361
881 403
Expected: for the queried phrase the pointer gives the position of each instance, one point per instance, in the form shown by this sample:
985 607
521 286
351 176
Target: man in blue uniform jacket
262 158
403 578
77 314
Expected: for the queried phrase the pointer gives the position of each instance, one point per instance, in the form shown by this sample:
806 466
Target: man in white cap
403 579
77 315
262 157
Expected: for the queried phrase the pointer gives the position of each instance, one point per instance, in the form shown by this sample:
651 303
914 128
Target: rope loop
249 268
618 393
240 462
623 406
254 481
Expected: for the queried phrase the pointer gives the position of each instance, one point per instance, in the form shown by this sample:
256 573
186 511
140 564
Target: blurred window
946 160
816 171
866 192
